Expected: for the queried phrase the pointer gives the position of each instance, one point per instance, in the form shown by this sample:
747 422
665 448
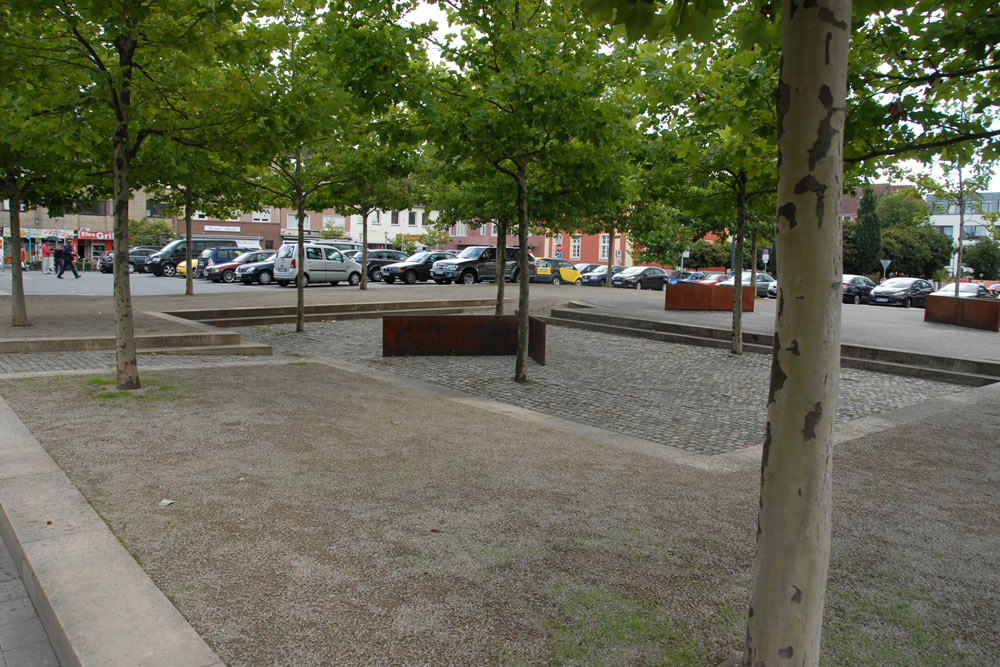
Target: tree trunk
741 231
961 231
188 213
127 367
753 262
793 536
364 249
19 309
300 294
611 256
501 263
521 361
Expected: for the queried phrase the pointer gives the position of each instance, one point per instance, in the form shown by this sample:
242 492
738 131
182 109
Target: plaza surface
431 511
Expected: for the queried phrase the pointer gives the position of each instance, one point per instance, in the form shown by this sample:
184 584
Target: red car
225 272
712 279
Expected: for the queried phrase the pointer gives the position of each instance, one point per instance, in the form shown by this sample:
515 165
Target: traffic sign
558 255
559 247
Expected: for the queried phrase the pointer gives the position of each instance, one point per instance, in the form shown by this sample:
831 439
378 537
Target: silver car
324 264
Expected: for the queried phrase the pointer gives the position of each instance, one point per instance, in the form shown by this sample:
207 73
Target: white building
945 216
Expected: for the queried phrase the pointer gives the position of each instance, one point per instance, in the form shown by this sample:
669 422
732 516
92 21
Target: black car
641 277
137 257
415 267
106 264
479 263
379 258
256 272
903 292
857 289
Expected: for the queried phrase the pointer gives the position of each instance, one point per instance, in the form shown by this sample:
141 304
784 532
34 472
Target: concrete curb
96 604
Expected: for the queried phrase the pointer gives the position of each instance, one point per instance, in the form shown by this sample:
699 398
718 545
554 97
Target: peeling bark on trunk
364 249
300 294
521 361
19 308
501 263
611 257
736 346
753 263
188 213
793 535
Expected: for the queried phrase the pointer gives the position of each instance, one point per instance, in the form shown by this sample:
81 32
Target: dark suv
164 263
379 258
478 263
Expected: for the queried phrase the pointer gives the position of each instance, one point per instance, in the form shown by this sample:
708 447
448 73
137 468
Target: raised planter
692 296
462 335
972 313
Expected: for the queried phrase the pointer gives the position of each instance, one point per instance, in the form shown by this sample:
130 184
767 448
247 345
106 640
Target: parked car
905 292
164 262
324 263
377 259
712 279
212 256
641 277
555 271
857 289
226 271
416 267
257 272
478 263
684 276
772 289
106 263
137 257
598 276
965 291
763 280
182 268
584 267
994 289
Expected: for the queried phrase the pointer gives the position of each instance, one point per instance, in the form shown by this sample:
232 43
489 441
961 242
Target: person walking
68 257
46 258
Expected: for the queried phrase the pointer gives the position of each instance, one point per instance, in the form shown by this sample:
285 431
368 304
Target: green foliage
434 238
147 231
901 209
332 231
867 237
707 253
916 251
405 242
983 257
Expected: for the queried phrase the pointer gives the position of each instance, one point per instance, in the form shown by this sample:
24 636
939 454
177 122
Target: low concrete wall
692 296
972 313
463 335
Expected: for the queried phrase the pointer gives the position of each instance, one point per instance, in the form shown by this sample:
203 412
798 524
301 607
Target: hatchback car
256 272
416 267
211 256
965 291
555 271
226 271
137 257
106 263
685 276
182 269
763 280
903 292
598 276
712 279
857 289
641 277
585 267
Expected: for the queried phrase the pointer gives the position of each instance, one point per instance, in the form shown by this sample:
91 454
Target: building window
948 231
574 248
198 215
261 216
605 246
375 219
293 221
394 218
459 229
97 208
154 210
413 219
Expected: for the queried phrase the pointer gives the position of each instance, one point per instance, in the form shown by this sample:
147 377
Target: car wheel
579 281
392 280
468 278
265 277
375 274
907 303
638 284
410 277
354 279
131 267
664 285
857 299
305 280
228 275
602 283
556 280
282 283
169 270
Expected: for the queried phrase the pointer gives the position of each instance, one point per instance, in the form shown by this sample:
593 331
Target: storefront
94 244
31 242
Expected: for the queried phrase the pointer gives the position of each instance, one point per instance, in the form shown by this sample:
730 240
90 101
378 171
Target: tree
983 257
525 81
332 231
899 209
916 251
707 253
138 63
434 238
147 231
867 236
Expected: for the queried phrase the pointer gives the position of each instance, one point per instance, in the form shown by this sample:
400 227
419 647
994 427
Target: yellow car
556 271
182 267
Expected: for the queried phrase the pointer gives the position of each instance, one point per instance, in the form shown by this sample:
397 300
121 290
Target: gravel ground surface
324 517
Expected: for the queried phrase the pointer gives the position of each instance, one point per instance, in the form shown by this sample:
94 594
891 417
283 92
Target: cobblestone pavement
698 399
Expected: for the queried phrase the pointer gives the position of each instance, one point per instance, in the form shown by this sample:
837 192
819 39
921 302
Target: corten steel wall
972 313
691 296
463 335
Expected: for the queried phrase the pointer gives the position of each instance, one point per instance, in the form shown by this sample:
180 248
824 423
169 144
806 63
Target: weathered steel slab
462 335
691 296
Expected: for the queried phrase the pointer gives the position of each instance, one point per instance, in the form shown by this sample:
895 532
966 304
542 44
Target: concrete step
257 320
331 311
88 344
967 372
240 349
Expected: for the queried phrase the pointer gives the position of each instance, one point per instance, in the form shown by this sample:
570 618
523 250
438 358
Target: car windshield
962 287
632 270
244 256
603 268
471 253
898 282
418 257
543 262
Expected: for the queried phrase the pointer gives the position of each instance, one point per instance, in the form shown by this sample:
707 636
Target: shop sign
222 228
90 235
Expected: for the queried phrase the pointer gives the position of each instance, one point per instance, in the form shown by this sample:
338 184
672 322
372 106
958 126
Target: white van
323 264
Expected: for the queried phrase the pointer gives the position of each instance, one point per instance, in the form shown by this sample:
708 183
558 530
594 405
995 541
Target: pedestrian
68 257
24 264
46 258
57 258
